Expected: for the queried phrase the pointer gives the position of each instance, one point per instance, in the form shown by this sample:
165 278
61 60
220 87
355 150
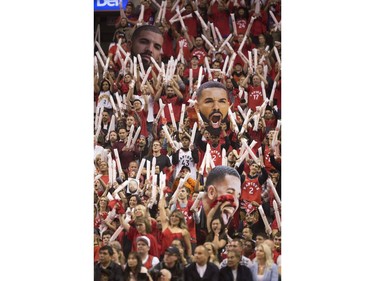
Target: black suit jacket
243 274
211 273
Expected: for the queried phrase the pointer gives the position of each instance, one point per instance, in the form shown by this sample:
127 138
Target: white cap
145 239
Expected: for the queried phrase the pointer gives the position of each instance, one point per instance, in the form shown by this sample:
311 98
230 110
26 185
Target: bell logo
110 3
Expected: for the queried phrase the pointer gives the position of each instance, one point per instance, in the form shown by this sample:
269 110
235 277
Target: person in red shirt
183 39
252 187
143 248
199 50
259 24
167 46
172 95
242 20
194 65
218 14
184 204
142 228
255 95
192 24
113 58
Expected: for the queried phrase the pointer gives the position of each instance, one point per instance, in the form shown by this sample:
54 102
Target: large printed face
227 193
148 44
213 106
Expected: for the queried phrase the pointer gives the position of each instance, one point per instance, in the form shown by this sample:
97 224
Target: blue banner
108 5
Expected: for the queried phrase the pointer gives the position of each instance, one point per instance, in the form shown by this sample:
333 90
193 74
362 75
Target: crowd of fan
148 170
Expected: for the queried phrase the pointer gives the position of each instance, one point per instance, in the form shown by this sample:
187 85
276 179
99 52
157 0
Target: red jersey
220 18
255 97
260 23
192 25
216 154
167 45
113 51
251 190
200 53
241 25
195 73
185 48
176 105
190 222
143 116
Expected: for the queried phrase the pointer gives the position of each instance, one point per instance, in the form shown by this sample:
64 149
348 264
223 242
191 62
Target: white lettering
110 3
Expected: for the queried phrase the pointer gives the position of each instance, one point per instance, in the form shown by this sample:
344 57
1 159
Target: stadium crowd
187 142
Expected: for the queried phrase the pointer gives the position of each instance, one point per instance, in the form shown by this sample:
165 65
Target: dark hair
263 234
106 247
139 200
104 80
107 232
127 269
218 174
151 28
208 85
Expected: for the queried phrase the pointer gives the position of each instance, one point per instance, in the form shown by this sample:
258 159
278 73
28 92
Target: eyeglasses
139 225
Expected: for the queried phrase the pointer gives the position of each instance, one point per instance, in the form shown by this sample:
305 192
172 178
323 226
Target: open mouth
215 120
227 212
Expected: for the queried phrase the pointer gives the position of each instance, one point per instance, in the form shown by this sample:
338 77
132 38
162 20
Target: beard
146 63
214 121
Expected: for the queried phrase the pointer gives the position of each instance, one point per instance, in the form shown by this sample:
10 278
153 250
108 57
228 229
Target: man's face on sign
213 106
148 44
231 185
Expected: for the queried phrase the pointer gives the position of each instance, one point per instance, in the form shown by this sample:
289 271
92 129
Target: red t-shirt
260 23
251 190
192 25
255 97
186 51
200 53
220 19
190 222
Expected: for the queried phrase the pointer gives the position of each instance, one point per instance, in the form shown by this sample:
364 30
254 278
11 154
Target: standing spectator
126 154
162 161
201 269
252 186
218 13
142 228
186 157
236 245
183 204
106 266
217 235
234 270
143 248
264 269
173 227
199 50
212 250
134 270
171 261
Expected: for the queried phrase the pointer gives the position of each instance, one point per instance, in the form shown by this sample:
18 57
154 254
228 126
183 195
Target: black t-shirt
162 161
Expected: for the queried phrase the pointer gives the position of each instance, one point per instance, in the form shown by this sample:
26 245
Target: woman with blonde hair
212 250
173 227
263 268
